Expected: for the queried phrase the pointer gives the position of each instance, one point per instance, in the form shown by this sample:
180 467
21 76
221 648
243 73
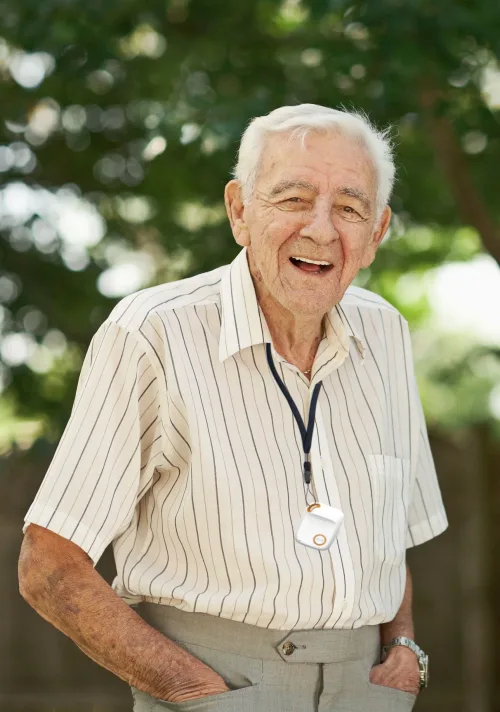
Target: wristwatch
423 659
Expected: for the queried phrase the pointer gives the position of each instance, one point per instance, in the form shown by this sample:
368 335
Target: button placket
340 561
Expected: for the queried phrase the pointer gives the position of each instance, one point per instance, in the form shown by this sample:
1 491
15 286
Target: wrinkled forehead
327 158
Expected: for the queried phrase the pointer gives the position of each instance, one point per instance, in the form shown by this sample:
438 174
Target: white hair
299 121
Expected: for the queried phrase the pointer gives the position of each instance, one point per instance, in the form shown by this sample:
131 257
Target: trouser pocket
243 676
389 699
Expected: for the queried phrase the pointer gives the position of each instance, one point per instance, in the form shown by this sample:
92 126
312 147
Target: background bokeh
119 124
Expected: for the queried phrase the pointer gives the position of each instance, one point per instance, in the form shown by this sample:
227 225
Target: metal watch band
407 642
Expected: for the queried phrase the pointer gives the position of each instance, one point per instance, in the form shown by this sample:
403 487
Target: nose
320 226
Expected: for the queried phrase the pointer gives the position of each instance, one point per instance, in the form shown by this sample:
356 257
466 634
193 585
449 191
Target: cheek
354 243
279 231
282 226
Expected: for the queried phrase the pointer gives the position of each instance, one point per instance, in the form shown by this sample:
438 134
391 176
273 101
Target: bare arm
400 668
402 625
58 580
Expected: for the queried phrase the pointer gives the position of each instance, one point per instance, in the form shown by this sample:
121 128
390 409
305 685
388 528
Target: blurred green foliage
134 111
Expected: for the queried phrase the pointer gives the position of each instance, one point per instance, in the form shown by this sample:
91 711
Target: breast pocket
390 478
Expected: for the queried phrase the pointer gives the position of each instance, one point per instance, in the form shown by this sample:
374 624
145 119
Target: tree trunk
470 205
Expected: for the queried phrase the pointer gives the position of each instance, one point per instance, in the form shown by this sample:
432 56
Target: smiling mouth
309 267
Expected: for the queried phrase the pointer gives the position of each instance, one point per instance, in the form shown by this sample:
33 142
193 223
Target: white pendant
319 526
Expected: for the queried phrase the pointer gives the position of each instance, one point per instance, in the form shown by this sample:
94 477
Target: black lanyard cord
306 435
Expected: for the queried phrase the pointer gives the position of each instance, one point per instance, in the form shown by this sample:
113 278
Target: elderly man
251 441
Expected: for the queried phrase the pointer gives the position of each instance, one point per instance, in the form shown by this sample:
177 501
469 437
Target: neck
295 336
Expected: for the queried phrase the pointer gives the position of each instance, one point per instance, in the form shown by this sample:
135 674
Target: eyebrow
357 194
285 185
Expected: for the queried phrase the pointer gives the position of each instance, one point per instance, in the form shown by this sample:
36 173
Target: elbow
27 568
35 565
46 560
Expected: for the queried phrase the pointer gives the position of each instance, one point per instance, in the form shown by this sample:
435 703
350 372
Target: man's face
316 202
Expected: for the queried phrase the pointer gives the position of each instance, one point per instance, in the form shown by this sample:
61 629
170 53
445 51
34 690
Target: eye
293 203
350 213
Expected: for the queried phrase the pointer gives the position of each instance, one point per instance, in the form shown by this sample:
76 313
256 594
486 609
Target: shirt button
288 647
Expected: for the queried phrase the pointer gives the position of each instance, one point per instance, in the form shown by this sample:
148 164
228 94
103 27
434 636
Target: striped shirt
182 452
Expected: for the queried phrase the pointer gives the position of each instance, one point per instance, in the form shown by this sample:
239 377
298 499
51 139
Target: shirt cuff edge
426 530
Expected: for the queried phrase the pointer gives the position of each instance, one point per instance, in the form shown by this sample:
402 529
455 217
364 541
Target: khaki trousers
276 671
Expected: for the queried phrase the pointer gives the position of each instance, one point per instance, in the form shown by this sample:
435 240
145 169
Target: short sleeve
426 514
106 458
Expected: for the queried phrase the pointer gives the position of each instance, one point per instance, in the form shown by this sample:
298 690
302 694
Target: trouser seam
319 687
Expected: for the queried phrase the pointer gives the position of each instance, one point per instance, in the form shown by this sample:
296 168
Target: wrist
392 630
401 652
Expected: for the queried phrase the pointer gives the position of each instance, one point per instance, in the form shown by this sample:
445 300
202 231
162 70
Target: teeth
312 262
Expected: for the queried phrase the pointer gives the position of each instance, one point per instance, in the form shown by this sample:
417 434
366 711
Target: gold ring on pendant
312 506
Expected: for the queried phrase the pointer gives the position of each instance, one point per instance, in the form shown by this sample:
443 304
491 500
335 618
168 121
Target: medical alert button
319 526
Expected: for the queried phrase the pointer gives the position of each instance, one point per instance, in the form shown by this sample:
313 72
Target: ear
377 237
235 209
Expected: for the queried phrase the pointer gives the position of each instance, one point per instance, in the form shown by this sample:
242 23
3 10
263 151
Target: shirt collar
338 323
243 323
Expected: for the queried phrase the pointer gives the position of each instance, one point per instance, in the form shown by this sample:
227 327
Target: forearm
400 669
74 598
402 625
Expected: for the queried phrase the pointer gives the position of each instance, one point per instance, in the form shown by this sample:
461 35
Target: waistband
296 646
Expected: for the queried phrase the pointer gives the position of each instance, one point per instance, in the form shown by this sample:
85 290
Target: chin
309 307
312 303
